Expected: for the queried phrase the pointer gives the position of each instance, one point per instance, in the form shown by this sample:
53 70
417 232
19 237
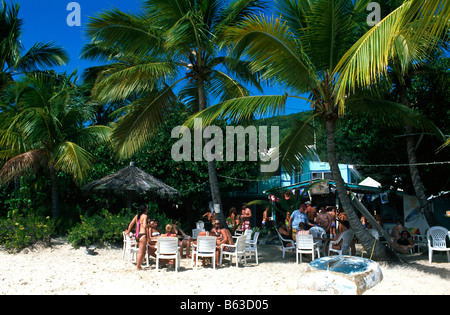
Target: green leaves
48 127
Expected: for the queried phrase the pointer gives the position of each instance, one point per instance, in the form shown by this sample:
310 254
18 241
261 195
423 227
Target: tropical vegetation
177 60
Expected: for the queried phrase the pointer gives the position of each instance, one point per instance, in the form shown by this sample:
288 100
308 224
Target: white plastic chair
291 243
252 246
167 248
420 241
131 249
436 236
200 225
237 250
319 232
195 232
347 237
306 245
206 247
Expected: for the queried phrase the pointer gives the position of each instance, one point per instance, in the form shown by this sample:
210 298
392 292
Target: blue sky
46 21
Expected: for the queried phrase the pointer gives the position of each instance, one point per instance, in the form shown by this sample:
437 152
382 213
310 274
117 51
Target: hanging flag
384 198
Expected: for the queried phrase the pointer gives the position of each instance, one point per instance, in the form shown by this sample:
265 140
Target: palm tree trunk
366 239
413 169
55 204
212 171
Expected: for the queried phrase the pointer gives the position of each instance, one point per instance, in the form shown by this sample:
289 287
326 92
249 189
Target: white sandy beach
61 269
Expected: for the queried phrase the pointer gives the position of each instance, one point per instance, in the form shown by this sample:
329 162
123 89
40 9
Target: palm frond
413 23
274 52
73 159
121 81
393 114
142 119
25 163
133 33
42 55
240 109
296 147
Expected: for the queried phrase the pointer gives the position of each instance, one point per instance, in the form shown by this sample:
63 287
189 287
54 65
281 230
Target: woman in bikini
153 234
140 220
184 239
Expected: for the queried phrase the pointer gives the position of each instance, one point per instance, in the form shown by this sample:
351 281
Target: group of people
307 216
236 221
147 233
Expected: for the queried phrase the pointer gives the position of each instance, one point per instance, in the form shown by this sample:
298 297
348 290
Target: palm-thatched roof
131 179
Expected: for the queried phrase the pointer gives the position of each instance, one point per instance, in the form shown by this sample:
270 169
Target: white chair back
437 236
317 231
347 237
167 245
195 232
206 244
304 241
200 225
240 243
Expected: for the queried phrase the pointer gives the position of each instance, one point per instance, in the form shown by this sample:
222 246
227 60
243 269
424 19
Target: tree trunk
55 204
380 252
212 171
413 169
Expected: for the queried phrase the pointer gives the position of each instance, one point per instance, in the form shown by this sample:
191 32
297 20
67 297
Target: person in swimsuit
153 234
223 238
140 220
246 215
184 239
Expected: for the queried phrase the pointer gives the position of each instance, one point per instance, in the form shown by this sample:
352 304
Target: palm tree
402 41
170 44
45 125
12 59
301 52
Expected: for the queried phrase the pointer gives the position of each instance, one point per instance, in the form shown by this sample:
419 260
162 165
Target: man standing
311 213
324 220
296 217
246 214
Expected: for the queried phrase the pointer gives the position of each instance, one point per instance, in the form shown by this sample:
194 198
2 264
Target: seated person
404 243
284 230
153 234
302 229
184 239
223 238
345 226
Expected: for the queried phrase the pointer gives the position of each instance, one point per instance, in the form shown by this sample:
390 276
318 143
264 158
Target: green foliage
21 230
100 228
106 228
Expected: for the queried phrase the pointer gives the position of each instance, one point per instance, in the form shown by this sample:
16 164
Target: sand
63 270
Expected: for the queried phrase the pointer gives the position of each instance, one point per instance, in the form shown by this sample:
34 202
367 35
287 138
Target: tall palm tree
13 60
301 52
401 41
44 125
169 44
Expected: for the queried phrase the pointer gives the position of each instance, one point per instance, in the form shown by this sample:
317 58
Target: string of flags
371 197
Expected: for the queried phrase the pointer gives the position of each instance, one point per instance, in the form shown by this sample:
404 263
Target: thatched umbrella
131 180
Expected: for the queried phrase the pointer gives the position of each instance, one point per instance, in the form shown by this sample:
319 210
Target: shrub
21 230
102 228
